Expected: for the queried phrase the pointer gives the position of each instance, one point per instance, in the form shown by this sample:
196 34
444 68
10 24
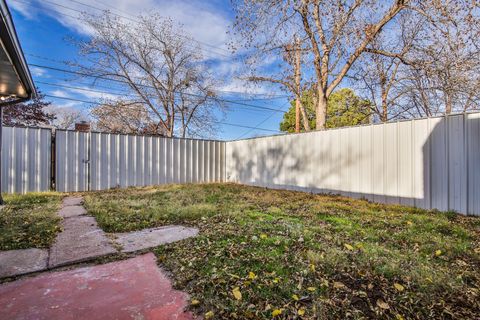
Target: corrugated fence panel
472 137
26 159
429 163
126 160
71 161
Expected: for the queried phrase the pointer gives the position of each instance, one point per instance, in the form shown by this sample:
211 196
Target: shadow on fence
428 163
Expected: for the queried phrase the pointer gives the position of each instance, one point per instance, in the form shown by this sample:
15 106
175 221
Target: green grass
29 221
328 256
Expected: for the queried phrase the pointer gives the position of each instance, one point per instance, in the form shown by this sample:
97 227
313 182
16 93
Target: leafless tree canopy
124 117
430 67
65 117
410 57
157 67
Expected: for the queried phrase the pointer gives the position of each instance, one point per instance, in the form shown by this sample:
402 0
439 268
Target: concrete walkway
130 289
82 240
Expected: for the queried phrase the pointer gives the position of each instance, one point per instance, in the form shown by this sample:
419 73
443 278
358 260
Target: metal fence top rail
359 125
141 135
252 138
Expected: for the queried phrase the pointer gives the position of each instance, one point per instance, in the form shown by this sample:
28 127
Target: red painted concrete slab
130 289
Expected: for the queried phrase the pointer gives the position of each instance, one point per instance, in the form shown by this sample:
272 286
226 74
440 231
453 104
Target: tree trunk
448 104
321 108
306 124
384 116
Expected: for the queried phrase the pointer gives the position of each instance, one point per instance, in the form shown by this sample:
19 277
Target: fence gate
71 161
100 161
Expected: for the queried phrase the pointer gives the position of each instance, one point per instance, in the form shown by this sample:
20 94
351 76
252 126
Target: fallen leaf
461 263
209 315
338 285
382 304
399 317
194 302
295 297
399 287
349 247
276 312
301 312
311 289
236 293
251 275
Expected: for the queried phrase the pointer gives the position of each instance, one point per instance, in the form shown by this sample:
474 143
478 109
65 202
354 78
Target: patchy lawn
268 253
29 221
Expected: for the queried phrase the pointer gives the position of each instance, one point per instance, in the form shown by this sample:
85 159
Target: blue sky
44 27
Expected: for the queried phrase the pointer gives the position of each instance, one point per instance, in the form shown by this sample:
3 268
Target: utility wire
147 86
259 124
98 103
83 89
270 97
136 21
116 93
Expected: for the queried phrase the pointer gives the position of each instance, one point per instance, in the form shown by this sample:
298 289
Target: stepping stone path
82 240
130 289
148 238
15 262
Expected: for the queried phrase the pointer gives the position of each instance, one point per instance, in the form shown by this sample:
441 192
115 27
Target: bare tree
124 117
157 66
381 72
65 117
432 65
448 59
339 32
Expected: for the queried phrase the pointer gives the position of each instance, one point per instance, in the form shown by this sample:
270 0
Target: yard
29 221
269 253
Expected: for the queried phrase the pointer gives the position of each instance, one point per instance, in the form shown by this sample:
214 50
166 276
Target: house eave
15 79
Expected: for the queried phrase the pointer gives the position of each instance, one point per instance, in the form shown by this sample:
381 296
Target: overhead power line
115 93
82 89
148 86
258 124
218 122
136 21
267 96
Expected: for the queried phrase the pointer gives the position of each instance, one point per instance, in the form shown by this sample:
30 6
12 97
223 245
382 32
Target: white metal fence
99 161
429 163
26 159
